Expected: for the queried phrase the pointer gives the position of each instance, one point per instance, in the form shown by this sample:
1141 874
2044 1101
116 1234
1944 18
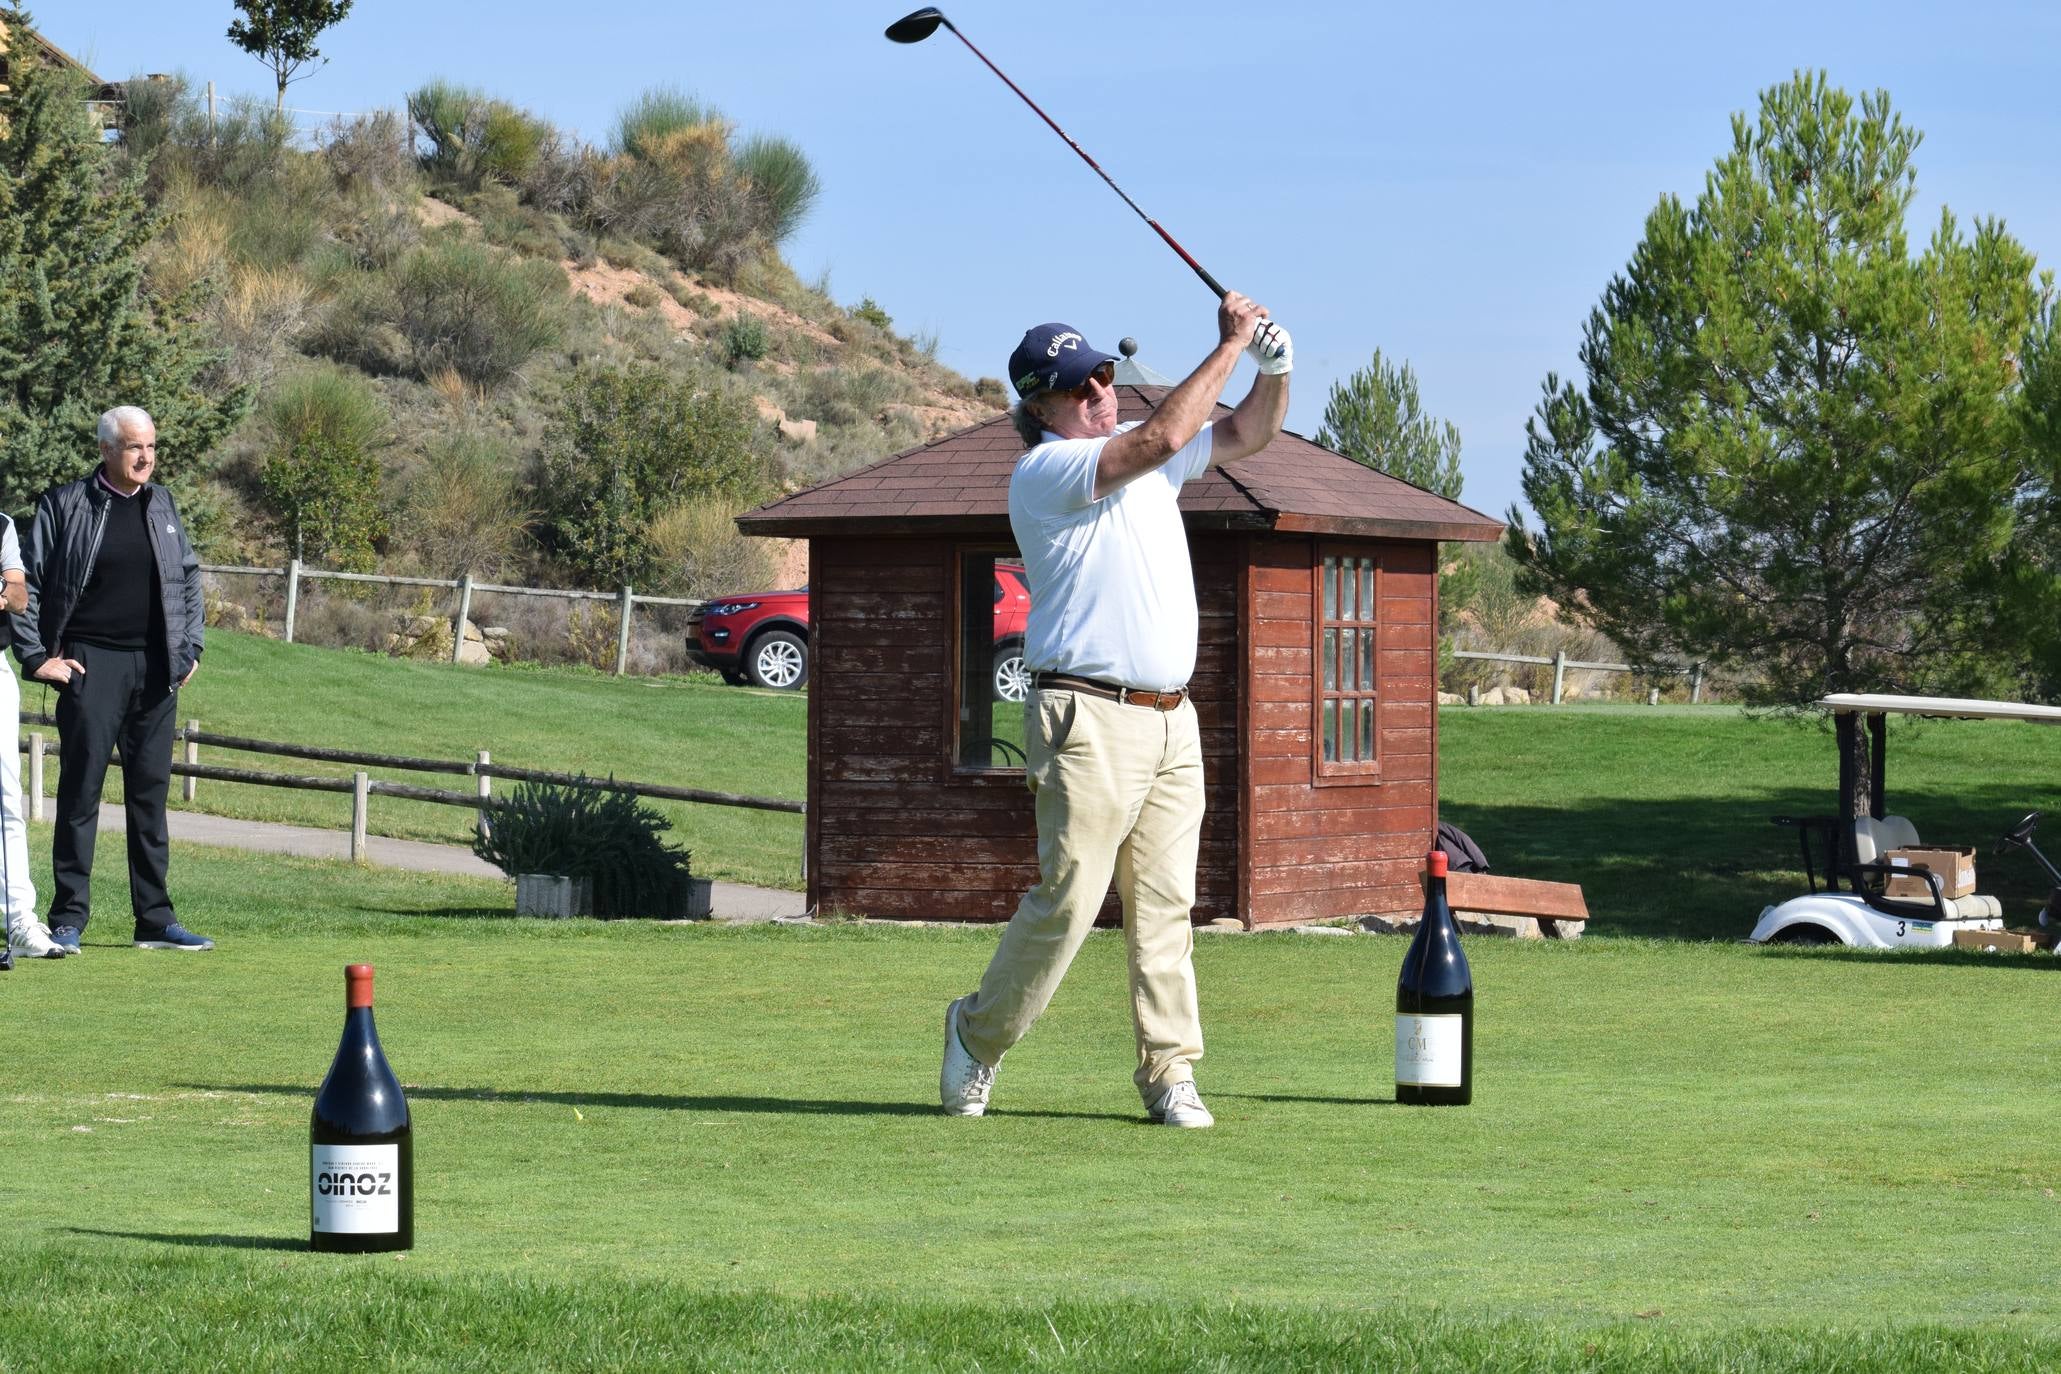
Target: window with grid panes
1348 587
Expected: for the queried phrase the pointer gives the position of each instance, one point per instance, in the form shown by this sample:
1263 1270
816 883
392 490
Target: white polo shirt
1112 591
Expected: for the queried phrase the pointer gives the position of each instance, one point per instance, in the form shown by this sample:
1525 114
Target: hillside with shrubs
456 339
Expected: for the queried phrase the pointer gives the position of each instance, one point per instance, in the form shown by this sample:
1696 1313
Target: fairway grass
649 1146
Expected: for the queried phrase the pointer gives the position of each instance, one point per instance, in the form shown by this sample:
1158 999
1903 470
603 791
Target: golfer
1112 753
114 623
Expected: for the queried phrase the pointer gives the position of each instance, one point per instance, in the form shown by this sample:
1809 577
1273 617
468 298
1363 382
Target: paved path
729 901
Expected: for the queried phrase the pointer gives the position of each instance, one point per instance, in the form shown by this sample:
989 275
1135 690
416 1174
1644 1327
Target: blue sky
1452 184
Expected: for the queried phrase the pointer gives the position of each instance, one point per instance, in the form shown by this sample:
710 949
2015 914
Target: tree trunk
1856 774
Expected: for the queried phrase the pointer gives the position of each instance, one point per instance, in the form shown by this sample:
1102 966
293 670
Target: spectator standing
113 622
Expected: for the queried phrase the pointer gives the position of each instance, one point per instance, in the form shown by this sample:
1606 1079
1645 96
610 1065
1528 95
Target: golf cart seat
1873 837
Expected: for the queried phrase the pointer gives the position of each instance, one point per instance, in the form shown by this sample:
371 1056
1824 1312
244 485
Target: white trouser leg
20 889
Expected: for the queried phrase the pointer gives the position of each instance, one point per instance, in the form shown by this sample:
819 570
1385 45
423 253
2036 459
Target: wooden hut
1315 682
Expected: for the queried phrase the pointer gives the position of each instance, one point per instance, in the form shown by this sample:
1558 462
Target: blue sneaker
66 938
173 936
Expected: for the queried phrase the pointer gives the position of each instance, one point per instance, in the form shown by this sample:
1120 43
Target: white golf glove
1271 348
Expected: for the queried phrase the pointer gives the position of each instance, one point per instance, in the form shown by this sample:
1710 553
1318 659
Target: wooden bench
1558 908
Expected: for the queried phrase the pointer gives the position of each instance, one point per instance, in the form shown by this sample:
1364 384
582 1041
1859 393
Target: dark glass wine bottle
361 1175
1434 1006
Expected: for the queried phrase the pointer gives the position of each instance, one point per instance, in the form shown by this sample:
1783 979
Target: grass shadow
208 1241
665 1102
1701 867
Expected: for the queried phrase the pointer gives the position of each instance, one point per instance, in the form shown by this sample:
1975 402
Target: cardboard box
1999 941
1955 867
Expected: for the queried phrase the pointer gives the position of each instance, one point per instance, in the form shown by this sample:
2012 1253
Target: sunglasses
1105 374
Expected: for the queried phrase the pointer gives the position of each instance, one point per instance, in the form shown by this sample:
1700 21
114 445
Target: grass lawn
663 730
647 1146
1661 813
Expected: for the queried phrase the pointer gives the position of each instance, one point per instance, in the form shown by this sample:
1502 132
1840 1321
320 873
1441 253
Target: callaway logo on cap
1053 357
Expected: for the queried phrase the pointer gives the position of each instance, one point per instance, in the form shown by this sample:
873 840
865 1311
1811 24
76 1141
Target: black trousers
123 699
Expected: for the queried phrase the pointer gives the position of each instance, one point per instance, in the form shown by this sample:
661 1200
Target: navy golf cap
1053 357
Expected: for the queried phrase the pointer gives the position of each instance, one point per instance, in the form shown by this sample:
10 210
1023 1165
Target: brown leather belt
1113 691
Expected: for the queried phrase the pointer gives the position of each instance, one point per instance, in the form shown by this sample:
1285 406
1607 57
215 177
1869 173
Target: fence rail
1560 663
362 786
627 599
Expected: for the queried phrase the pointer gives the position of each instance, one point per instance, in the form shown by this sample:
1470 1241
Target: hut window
994 601
1343 744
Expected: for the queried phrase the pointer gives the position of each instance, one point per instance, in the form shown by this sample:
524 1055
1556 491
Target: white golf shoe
963 1083
30 939
1181 1105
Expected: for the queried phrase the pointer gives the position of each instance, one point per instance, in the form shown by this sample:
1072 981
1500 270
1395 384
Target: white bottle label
357 1189
1427 1050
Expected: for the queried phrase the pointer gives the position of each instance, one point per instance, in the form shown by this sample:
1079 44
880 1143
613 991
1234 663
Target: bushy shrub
319 470
700 302
869 311
463 508
583 831
656 116
281 220
783 186
257 320
992 390
357 329
625 443
745 340
698 550
644 296
475 138
465 306
370 153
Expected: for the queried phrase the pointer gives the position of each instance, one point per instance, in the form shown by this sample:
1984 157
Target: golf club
914 28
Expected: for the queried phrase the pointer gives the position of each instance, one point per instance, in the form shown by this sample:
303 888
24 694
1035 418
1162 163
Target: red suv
763 638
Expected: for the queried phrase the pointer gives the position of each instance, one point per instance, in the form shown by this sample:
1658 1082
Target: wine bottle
1434 1006
361 1176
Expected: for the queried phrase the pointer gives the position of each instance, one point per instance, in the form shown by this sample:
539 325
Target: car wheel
1012 679
779 660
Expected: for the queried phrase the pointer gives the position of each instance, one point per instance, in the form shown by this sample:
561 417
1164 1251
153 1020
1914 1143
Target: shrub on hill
463 508
624 444
464 306
320 467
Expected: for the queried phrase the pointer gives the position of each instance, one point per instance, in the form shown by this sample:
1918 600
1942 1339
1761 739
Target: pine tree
1800 446
77 335
1375 418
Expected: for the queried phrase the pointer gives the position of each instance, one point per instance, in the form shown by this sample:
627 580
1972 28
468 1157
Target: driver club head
915 27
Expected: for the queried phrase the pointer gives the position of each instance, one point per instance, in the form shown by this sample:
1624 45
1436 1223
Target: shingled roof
960 485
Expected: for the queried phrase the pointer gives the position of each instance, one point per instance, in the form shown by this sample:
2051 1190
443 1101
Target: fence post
35 775
211 114
464 614
1653 696
361 790
293 594
485 826
622 634
1559 673
192 755
1474 694
1696 684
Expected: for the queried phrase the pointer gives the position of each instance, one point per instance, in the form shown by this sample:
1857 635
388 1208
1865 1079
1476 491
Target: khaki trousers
1119 794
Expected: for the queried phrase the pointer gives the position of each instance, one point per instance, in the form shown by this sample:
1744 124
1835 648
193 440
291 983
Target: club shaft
1200 271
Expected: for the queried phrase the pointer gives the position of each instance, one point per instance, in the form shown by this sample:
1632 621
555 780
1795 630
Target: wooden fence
626 599
1561 663
362 786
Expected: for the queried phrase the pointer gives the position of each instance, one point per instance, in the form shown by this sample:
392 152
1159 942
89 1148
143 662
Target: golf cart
1852 907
